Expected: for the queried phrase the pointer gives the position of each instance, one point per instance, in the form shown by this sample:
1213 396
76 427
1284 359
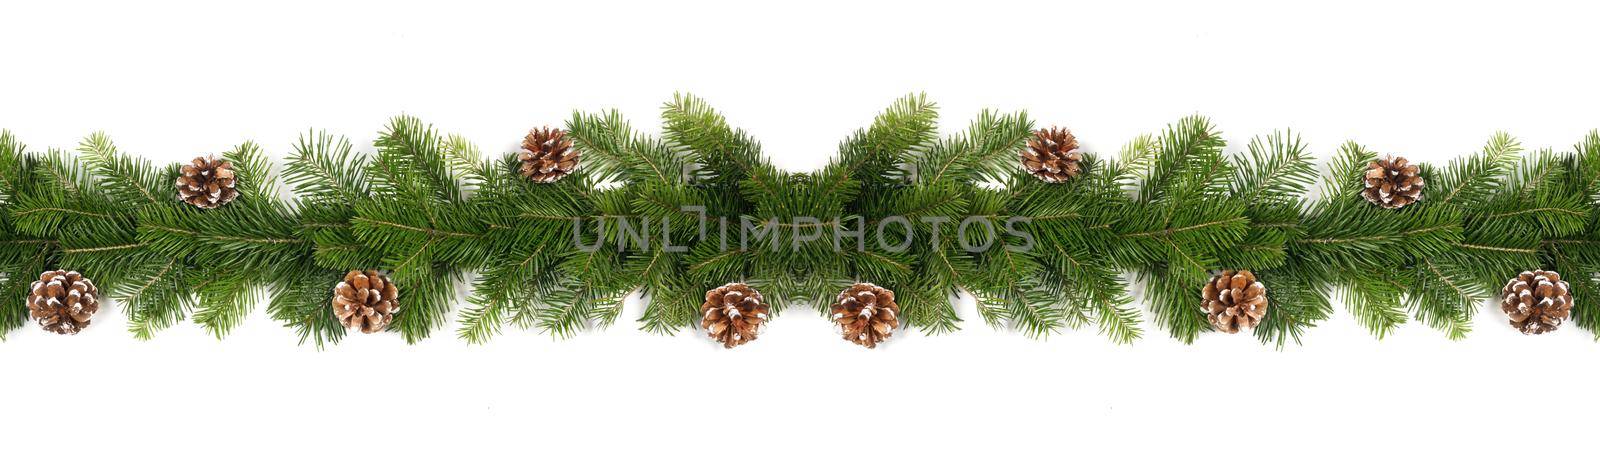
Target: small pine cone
866 314
1536 301
1052 155
366 300
207 183
1234 300
547 155
62 301
733 314
1392 182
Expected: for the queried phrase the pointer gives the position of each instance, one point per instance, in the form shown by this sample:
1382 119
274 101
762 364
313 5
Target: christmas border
556 235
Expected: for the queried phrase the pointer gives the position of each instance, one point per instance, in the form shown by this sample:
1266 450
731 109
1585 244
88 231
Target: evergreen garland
662 216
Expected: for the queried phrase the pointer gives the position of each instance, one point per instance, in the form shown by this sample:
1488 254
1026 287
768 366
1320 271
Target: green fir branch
430 210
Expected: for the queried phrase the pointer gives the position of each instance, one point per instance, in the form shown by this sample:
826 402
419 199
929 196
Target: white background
177 80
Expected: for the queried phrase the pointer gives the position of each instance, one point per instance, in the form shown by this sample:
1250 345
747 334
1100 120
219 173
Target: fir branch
411 163
14 167
323 169
1172 208
300 298
1375 303
1467 180
225 300
986 151
253 174
1276 169
731 156
616 151
129 179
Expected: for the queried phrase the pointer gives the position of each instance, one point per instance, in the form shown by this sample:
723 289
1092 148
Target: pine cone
866 314
1234 301
1536 301
1392 183
547 155
365 300
62 301
734 314
1052 155
207 183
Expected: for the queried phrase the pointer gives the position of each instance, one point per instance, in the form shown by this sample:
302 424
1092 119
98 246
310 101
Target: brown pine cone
62 301
207 183
866 314
1234 301
1392 182
1052 155
366 300
547 155
733 314
1536 301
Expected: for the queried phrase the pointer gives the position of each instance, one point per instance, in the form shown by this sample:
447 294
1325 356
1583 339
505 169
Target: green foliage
664 218
22 253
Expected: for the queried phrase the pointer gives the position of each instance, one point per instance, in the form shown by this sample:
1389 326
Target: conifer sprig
660 217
